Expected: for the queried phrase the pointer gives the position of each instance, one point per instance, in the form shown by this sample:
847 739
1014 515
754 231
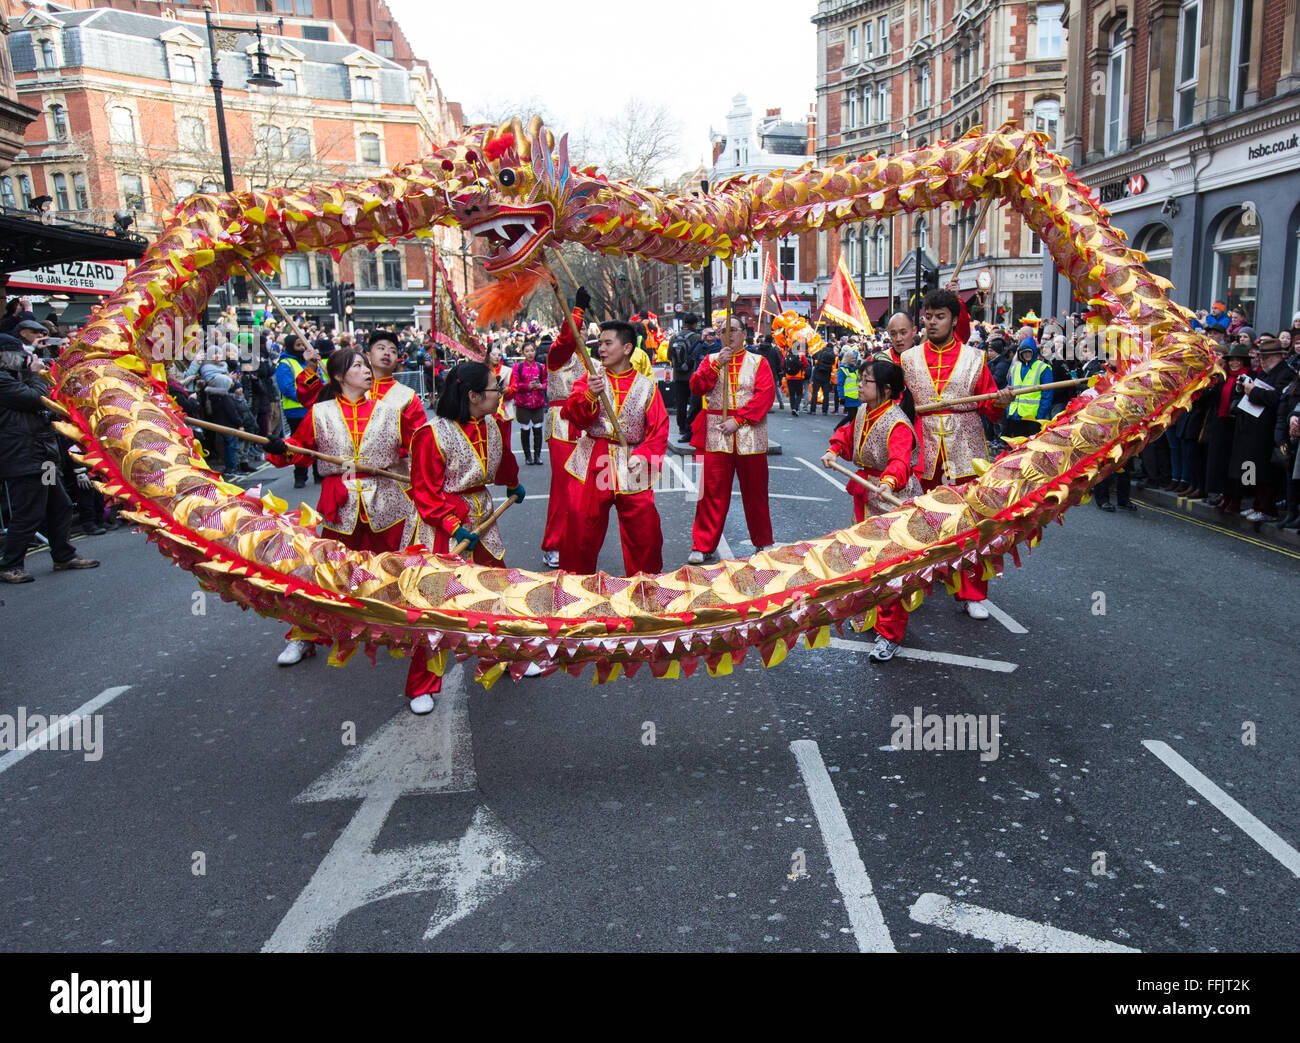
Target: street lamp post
261 78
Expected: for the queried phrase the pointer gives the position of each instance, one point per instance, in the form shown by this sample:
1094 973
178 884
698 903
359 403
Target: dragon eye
506 177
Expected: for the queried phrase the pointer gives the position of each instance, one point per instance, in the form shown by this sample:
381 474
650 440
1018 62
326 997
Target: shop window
1236 261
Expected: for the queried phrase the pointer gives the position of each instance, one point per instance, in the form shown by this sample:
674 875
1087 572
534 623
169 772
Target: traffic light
335 307
347 297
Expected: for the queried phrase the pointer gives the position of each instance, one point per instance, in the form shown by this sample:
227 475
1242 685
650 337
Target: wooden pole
935 407
606 399
293 326
488 522
726 374
965 250
876 490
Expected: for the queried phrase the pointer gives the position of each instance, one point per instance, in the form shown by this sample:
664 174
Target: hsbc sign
1116 190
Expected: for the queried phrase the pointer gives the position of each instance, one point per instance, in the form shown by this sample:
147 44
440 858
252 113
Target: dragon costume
513 185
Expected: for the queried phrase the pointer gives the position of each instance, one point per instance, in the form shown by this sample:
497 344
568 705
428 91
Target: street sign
73 276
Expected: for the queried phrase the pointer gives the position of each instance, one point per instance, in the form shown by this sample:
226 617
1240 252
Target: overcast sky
584 60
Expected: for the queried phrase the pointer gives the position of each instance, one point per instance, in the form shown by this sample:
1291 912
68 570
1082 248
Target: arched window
850 247
1236 261
1157 242
270 142
1047 118
189 133
925 84
1116 95
183 69
60 182
922 234
59 118
132 192
121 125
363 89
392 262
79 193
882 261
288 81
369 148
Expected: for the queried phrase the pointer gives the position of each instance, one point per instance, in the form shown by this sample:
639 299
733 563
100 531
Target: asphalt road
236 806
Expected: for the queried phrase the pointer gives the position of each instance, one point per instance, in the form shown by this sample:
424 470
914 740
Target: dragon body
513 185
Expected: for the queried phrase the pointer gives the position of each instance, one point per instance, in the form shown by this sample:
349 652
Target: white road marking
781 467
1004 929
41 741
869 927
1240 817
821 472
789 496
998 666
1003 618
409 754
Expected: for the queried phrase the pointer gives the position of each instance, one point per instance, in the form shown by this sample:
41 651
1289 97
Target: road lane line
41 739
869 927
1240 817
998 666
1003 618
790 496
1003 929
821 472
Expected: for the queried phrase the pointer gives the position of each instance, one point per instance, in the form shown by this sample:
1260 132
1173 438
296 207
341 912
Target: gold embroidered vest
632 421
386 501
960 435
751 439
464 476
872 452
559 386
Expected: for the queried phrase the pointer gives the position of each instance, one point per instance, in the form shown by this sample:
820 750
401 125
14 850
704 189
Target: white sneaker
976 610
551 559
1251 515
883 650
294 652
695 557
422 704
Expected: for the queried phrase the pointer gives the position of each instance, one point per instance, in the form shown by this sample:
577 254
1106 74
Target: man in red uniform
607 474
382 351
951 439
563 368
734 444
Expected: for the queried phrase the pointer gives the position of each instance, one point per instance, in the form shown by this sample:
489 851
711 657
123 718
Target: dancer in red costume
881 441
454 459
736 445
362 511
951 439
382 353
563 368
607 475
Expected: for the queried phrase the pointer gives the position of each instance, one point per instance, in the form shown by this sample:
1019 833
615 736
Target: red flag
770 278
843 305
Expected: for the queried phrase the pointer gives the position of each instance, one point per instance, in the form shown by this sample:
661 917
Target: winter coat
27 438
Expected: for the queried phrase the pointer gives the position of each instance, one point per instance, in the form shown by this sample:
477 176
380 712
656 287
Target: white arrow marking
1003 929
409 754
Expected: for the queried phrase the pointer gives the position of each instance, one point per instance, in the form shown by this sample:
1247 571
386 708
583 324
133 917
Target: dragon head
518 188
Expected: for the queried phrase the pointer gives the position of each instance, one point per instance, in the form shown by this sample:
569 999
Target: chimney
718 146
774 113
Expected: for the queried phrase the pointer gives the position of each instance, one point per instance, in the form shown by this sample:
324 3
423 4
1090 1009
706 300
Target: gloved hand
463 533
518 491
277 446
582 299
83 479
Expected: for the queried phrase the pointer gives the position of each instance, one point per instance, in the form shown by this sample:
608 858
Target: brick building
1185 118
128 126
898 74
749 148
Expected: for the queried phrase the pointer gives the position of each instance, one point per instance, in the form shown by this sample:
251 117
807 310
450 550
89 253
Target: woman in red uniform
362 511
881 441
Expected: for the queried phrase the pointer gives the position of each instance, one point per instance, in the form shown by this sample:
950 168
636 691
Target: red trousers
638 528
715 499
970 586
891 619
557 506
419 681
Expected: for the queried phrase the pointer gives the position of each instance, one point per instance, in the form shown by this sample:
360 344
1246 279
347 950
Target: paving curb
1233 522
